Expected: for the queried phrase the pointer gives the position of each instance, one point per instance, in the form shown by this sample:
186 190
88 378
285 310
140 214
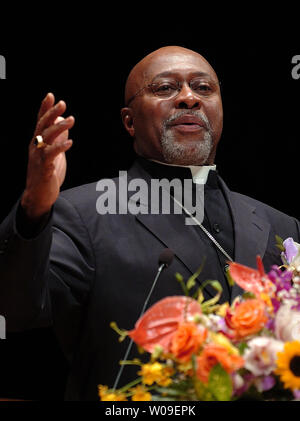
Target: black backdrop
258 154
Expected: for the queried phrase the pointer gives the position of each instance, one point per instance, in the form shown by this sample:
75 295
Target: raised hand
47 164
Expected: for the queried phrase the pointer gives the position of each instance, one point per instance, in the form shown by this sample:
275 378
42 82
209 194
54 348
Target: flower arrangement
202 350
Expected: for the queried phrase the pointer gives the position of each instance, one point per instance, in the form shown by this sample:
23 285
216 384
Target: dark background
87 67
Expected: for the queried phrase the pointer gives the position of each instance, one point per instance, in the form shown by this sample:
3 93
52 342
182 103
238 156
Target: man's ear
127 118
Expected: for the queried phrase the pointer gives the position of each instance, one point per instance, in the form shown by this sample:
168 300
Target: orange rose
247 318
216 354
187 340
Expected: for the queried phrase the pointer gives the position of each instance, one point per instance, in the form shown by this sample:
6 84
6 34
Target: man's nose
187 99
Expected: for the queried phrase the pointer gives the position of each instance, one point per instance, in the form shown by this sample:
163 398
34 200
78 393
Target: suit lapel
171 230
250 232
180 238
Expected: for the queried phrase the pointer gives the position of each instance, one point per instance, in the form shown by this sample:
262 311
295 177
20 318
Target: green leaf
279 243
169 391
121 332
229 278
248 295
279 240
181 389
162 399
214 283
203 392
217 286
192 280
190 283
220 384
158 350
241 347
179 277
207 306
140 349
131 384
199 296
194 363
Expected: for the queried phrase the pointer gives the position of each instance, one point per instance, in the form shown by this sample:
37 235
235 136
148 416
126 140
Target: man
63 263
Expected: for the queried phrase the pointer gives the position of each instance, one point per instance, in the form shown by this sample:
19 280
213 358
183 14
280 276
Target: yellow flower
156 372
288 365
220 339
165 379
140 394
267 299
222 310
107 395
151 372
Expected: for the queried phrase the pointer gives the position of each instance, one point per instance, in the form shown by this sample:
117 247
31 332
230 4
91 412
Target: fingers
51 125
53 128
50 115
47 103
51 133
53 151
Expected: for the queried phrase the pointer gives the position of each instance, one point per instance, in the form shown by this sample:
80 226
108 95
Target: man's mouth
187 124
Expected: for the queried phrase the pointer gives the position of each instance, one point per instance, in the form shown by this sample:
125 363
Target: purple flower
296 394
291 250
282 280
241 384
270 325
265 383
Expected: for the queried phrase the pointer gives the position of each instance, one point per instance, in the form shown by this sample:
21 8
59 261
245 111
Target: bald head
142 73
173 107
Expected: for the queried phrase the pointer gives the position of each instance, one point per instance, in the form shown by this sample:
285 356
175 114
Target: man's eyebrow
174 73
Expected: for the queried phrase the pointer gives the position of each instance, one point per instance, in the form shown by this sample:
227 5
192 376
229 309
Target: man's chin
186 150
187 154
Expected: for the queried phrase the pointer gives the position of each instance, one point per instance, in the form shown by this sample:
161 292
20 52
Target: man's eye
165 89
202 88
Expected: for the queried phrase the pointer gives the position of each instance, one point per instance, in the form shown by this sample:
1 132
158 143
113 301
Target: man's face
179 118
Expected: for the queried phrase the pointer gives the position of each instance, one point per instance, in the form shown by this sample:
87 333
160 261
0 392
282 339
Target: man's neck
199 172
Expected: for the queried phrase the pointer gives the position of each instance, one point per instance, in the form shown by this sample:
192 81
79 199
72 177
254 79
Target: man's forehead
166 59
179 63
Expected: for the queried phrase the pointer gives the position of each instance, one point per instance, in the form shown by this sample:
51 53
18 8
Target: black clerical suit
84 270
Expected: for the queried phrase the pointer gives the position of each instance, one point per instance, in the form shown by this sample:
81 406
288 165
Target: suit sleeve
46 280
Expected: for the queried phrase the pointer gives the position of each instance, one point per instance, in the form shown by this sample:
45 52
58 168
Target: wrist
31 209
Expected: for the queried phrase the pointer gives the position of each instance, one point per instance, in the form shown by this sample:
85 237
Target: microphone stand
160 269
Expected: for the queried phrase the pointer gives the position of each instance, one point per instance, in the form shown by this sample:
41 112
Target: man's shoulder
85 196
87 192
82 193
262 208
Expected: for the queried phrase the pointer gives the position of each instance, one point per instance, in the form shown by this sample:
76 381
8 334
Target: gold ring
39 142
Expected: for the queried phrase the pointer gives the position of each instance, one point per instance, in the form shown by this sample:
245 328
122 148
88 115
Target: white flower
217 323
238 381
287 323
261 354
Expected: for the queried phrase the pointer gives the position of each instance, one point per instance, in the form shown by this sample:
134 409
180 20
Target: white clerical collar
199 172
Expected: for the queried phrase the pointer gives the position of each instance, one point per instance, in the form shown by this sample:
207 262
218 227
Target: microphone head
166 257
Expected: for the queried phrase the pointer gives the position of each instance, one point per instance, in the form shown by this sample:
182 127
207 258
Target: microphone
164 261
166 257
